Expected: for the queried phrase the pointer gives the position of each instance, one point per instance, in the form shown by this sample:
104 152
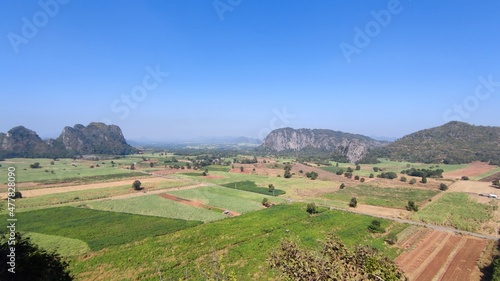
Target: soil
474 169
53 190
439 255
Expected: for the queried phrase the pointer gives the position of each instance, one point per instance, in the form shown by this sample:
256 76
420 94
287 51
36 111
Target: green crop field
65 170
218 168
66 247
290 186
225 198
99 229
242 242
154 205
250 186
385 197
455 210
90 194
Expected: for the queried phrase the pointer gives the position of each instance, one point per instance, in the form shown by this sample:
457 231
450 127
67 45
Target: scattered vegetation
335 262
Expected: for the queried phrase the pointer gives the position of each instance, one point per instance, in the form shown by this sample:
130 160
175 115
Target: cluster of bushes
429 173
312 175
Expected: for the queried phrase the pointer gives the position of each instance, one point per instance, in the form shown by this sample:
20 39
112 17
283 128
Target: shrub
443 187
136 185
371 176
339 172
356 177
362 180
392 238
403 179
358 167
311 208
375 227
424 179
465 178
35 165
413 181
412 206
266 202
342 186
353 203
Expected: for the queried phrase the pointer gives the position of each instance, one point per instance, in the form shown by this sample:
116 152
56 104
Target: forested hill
339 145
96 138
454 142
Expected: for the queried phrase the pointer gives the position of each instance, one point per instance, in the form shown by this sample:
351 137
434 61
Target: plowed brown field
438 255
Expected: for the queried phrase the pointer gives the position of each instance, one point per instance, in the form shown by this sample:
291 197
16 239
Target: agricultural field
438 255
456 210
242 243
155 205
99 229
396 197
65 170
182 211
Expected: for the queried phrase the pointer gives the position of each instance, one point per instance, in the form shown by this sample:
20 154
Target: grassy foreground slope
244 243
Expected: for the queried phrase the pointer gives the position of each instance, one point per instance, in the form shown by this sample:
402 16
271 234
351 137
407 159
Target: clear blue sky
383 68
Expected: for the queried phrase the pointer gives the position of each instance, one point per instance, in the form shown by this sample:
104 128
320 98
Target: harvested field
195 203
54 190
438 255
474 169
473 187
491 178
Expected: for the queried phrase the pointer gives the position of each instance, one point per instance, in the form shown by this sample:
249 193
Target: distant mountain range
340 146
198 141
454 142
96 138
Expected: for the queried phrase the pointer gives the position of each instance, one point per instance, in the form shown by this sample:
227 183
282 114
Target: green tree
242 169
403 179
412 181
362 180
353 203
266 202
412 206
136 185
371 176
35 165
424 179
311 208
356 177
443 187
271 187
496 183
358 167
151 164
342 186
32 262
465 178
132 167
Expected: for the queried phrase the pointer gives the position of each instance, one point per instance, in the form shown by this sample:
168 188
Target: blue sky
181 69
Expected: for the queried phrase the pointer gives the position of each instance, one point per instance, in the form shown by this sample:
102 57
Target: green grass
89 194
244 243
66 247
385 197
218 168
64 170
225 198
154 205
250 186
99 229
455 210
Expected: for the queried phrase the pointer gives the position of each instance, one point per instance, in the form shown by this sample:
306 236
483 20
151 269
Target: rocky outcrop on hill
96 138
352 147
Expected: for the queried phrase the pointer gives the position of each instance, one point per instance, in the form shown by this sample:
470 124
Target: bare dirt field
383 211
474 187
491 178
474 169
54 190
438 255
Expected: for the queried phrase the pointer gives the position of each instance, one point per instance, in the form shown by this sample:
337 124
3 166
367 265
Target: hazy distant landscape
250 140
